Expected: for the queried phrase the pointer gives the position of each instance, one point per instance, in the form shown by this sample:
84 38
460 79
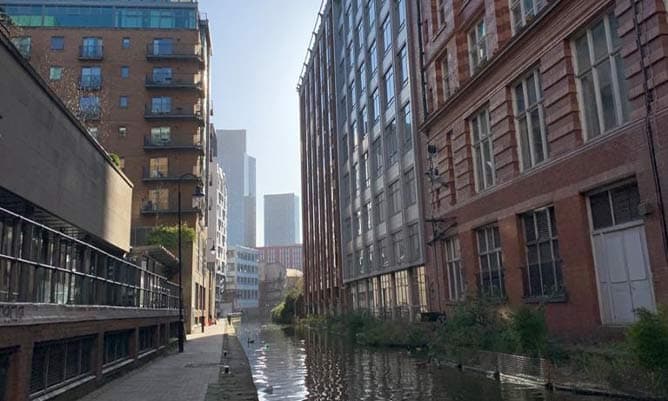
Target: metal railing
185 81
176 142
90 83
41 265
192 112
158 175
91 52
174 51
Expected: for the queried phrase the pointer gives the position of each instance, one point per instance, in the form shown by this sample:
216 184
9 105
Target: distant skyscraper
239 169
281 219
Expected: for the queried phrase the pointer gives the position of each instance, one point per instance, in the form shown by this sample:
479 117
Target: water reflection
315 366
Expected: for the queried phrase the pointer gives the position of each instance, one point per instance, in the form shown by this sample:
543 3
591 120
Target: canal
315 366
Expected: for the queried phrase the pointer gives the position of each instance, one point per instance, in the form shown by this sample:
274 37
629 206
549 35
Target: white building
217 231
242 278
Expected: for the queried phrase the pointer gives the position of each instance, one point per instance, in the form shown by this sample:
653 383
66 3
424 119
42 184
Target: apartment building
357 116
137 75
217 228
242 278
75 312
540 124
290 256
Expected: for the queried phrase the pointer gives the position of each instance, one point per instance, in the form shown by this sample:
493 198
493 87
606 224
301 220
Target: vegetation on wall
168 236
116 159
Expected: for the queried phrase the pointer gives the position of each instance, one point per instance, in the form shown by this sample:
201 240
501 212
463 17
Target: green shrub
116 159
286 311
529 330
648 340
168 236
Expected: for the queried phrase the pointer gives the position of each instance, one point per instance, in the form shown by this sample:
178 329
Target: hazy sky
258 50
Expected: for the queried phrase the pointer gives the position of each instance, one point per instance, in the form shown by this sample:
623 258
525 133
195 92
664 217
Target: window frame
554 259
454 269
488 253
477 45
528 109
475 121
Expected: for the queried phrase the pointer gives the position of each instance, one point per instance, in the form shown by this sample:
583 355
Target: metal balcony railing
90 113
173 113
91 52
172 51
169 206
58 269
176 142
90 83
174 81
157 175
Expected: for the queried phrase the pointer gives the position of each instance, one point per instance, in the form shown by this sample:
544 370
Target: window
453 265
364 118
398 248
89 106
378 156
387 34
161 135
57 43
363 79
379 217
123 131
116 346
125 43
395 198
403 64
477 46
123 102
371 13
408 127
357 223
125 71
163 47
368 218
23 45
356 178
162 74
441 12
382 253
389 87
376 105
615 206
91 48
530 120
542 276
345 189
55 73
445 72
483 151
523 11
410 195
600 76
56 362
366 177
158 167
161 104
401 12
91 78
373 57
490 278
391 145
414 242
350 56
360 35
344 147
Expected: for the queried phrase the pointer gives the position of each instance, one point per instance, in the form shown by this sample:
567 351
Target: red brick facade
576 164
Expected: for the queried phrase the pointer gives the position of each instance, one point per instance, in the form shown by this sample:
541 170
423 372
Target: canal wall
235 378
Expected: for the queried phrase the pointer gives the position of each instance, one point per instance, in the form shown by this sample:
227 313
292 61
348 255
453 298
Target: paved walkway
176 377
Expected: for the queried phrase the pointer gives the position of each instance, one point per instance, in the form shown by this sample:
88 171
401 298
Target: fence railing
41 265
91 52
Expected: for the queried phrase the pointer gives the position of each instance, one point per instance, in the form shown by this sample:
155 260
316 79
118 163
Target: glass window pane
519 98
600 42
600 210
625 201
607 95
623 87
582 53
524 142
589 105
538 141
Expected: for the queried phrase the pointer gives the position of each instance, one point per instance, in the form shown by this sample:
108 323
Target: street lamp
199 193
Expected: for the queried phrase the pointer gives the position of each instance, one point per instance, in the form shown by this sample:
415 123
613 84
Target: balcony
91 52
193 113
149 208
177 143
89 113
191 82
90 83
157 175
168 51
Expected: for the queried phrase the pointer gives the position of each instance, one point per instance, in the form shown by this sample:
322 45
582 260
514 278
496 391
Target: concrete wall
48 159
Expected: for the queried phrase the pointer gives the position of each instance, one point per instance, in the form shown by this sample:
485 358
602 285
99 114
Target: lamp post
199 193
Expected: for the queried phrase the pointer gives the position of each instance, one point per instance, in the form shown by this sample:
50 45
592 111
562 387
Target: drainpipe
649 98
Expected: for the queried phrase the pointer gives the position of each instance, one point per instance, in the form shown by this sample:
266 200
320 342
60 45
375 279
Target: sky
258 51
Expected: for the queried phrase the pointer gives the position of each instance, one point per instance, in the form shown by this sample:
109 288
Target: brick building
290 256
75 312
360 165
137 75
544 155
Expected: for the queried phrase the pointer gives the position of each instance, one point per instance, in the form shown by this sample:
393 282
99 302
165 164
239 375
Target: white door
620 251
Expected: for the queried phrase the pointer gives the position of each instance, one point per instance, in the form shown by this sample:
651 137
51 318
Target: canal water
314 366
